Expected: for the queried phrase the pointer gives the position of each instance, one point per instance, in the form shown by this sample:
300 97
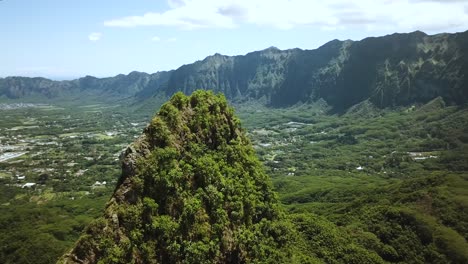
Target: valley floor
390 183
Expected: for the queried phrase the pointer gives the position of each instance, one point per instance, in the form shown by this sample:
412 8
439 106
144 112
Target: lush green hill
89 88
395 181
192 191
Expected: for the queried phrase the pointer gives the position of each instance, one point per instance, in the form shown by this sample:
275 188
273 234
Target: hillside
135 84
369 186
191 191
392 70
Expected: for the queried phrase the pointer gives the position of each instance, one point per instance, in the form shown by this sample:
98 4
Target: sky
61 39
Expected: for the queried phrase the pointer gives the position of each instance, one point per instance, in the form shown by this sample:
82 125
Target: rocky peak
191 191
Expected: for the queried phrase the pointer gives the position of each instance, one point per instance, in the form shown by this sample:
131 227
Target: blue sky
68 39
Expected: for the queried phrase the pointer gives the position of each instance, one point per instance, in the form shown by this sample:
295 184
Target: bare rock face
191 191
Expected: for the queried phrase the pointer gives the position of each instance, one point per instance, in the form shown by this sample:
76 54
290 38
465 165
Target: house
98 183
28 185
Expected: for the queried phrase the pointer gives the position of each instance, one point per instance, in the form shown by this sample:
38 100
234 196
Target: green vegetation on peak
192 191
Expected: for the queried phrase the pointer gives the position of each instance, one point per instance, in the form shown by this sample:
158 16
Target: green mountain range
393 70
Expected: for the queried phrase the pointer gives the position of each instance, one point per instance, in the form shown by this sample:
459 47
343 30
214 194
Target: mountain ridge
393 70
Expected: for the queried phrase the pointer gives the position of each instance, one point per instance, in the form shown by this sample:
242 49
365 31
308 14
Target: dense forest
192 190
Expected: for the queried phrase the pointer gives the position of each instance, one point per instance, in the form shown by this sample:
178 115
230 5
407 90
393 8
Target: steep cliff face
191 191
255 75
401 69
393 70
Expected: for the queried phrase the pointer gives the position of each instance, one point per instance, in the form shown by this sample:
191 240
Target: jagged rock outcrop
191 191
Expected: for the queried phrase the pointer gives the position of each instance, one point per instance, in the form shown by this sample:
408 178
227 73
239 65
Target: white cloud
155 39
189 14
95 36
395 15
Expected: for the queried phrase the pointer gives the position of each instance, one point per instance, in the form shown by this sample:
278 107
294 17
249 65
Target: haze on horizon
65 40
